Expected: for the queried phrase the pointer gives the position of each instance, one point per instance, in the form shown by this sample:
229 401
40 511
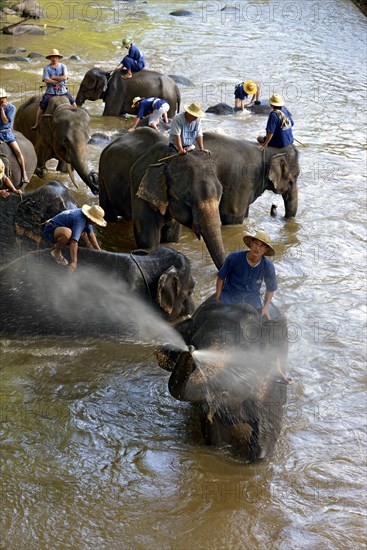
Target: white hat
3 93
264 238
195 110
94 213
54 53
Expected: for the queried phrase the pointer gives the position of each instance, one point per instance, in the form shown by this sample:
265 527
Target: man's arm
93 240
73 254
219 288
268 298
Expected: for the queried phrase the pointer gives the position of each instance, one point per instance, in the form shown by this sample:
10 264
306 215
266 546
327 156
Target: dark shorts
7 136
48 232
46 98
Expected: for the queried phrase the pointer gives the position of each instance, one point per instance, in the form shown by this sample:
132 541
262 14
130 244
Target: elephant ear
168 290
279 173
153 187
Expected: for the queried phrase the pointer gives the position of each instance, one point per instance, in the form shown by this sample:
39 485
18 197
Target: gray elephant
12 167
157 196
232 372
101 298
118 93
258 108
63 134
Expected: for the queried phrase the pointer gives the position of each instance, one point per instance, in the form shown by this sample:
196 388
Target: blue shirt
9 111
74 220
239 92
188 131
243 282
147 106
135 54
281 136
49 72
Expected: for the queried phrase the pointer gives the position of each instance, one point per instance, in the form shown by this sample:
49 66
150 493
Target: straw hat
250 87
3 93
54 53
264 238
276 100
94 213
2 169
127 41
136 100
195 110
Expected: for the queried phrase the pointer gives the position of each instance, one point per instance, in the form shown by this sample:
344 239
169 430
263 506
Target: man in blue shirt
243 90
7 112
67 228
241 276
279 126
152 106
55 76
133 61
186 130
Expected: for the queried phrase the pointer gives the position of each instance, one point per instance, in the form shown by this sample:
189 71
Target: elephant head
283 173
230 370
187 190
93 86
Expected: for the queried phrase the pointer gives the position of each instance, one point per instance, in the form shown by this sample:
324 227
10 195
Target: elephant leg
171 233
228 219
44 152
104 201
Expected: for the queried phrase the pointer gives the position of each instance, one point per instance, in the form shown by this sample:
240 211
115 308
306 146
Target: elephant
12 167
157 197
118 93
109 294
260 108
63 134
231 372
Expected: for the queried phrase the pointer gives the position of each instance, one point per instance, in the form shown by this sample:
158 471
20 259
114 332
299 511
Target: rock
181 80
220 109
15 58
21 29
35 55
98 138
75 57
11 50
28 8
181 13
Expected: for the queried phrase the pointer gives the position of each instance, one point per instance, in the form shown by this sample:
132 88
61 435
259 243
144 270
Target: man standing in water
241 276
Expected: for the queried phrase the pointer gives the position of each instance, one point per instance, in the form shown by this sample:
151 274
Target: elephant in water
12 167
63 134
100 298
118 93
232 371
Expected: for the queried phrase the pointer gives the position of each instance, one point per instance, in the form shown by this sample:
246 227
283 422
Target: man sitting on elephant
68 226
186 129
155 107
133 61
7 112
241 276
279 126
55 75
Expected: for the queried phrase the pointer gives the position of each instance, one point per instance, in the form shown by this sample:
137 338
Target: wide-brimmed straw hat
127 41
136 100
195 110
94 213
250 87
3 93
54 53
276 100
264 238
2 169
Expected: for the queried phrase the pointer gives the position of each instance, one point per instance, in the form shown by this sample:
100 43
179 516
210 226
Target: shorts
48 232
7 136
156 115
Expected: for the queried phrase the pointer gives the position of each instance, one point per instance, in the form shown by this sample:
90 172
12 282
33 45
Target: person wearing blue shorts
243 90
67 228
133 62
55 76
7 112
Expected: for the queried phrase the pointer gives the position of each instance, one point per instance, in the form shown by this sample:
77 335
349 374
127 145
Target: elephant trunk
181 374
206 222
90 177
80 99
290 199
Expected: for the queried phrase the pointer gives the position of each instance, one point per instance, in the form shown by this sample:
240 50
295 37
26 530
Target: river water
95 452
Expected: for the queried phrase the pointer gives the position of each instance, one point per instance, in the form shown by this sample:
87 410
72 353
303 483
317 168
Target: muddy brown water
95 452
